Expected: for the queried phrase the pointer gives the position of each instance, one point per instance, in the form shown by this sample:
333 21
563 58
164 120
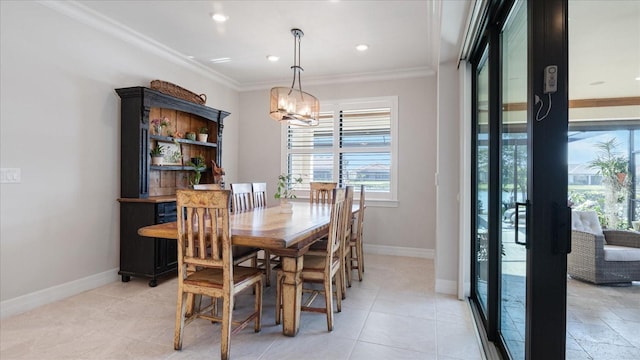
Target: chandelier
292 104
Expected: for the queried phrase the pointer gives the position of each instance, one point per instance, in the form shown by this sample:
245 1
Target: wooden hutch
147 192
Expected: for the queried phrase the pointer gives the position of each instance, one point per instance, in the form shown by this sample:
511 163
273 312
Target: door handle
561 225
526 210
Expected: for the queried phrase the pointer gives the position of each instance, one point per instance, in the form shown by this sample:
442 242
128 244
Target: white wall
448 187
409 228
59 124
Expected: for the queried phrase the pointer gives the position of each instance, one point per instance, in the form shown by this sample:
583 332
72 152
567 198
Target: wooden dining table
288 235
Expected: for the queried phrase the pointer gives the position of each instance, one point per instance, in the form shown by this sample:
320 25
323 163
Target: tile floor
394 313
603 322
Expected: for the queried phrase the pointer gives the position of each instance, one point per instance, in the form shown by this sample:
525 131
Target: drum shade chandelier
292 104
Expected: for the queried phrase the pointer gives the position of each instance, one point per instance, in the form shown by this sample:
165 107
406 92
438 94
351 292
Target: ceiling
403 36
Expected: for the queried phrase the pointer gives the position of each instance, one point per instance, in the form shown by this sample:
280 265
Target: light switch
10 175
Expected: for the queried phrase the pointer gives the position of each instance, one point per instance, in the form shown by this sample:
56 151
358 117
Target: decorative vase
285 206
203 137
157 160
191 136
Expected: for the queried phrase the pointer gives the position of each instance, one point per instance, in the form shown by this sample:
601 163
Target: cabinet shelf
182 141
175 168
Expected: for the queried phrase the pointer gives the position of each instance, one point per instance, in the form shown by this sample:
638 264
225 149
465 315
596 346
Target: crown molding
79 12
417 72
87 16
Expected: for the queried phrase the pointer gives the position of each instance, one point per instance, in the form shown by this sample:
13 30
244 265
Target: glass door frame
548 217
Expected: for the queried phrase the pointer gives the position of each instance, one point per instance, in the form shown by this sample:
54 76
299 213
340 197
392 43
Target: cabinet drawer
166 212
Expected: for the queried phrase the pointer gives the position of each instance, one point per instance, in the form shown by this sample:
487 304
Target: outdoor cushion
621 253
586 221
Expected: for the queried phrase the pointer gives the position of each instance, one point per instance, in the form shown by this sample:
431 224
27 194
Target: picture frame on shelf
172 152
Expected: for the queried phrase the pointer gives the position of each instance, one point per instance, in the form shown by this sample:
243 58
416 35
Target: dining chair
322 268
206 187
242 197
260 201
320 192
210 272
356 260
259 194
345 242
240 253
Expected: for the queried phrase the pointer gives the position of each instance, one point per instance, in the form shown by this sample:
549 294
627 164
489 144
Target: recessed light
219 17
220 60
191 57
362 47
638 78
273 58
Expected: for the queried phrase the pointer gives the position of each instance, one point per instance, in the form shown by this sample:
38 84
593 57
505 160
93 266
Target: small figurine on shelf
159 124
218 173
198 164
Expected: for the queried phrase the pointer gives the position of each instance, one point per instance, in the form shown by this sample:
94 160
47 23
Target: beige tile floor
603 322
394 313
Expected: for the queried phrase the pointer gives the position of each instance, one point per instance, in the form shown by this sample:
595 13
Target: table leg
291 294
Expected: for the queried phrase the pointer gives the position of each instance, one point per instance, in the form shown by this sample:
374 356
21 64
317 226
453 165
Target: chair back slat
242 197
360 222
259 194
336 226
321 192
203 229
345 234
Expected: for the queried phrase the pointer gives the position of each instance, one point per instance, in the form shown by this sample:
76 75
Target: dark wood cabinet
147 193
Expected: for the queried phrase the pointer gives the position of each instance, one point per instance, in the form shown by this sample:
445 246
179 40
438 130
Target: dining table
287 235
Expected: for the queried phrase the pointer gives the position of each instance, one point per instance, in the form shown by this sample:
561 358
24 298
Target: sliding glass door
521 220
514 171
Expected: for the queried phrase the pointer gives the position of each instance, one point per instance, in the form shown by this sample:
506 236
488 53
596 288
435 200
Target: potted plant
285 191
613 167
159 124
203 134
157 154
198 164
190 136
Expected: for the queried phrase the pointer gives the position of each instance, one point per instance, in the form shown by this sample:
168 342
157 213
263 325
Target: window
354 144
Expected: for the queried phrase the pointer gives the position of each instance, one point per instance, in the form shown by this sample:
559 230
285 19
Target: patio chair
602 256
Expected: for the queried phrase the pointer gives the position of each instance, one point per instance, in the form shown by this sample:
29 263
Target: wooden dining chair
345 240
324 268
356 260
210 272
320 192
259 194
242 197
260 201
206 187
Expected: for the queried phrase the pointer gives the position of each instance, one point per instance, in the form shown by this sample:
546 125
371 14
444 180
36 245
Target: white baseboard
33 300
449 287
399 251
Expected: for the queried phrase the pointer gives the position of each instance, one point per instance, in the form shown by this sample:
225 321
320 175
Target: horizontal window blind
352 145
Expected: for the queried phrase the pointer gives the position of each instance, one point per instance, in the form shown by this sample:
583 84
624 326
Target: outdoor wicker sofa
602 256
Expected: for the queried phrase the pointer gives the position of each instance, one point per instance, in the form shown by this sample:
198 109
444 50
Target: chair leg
258 307
328 296
347 267
181 310
360 260
227 305
338 291
279 280
267 267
